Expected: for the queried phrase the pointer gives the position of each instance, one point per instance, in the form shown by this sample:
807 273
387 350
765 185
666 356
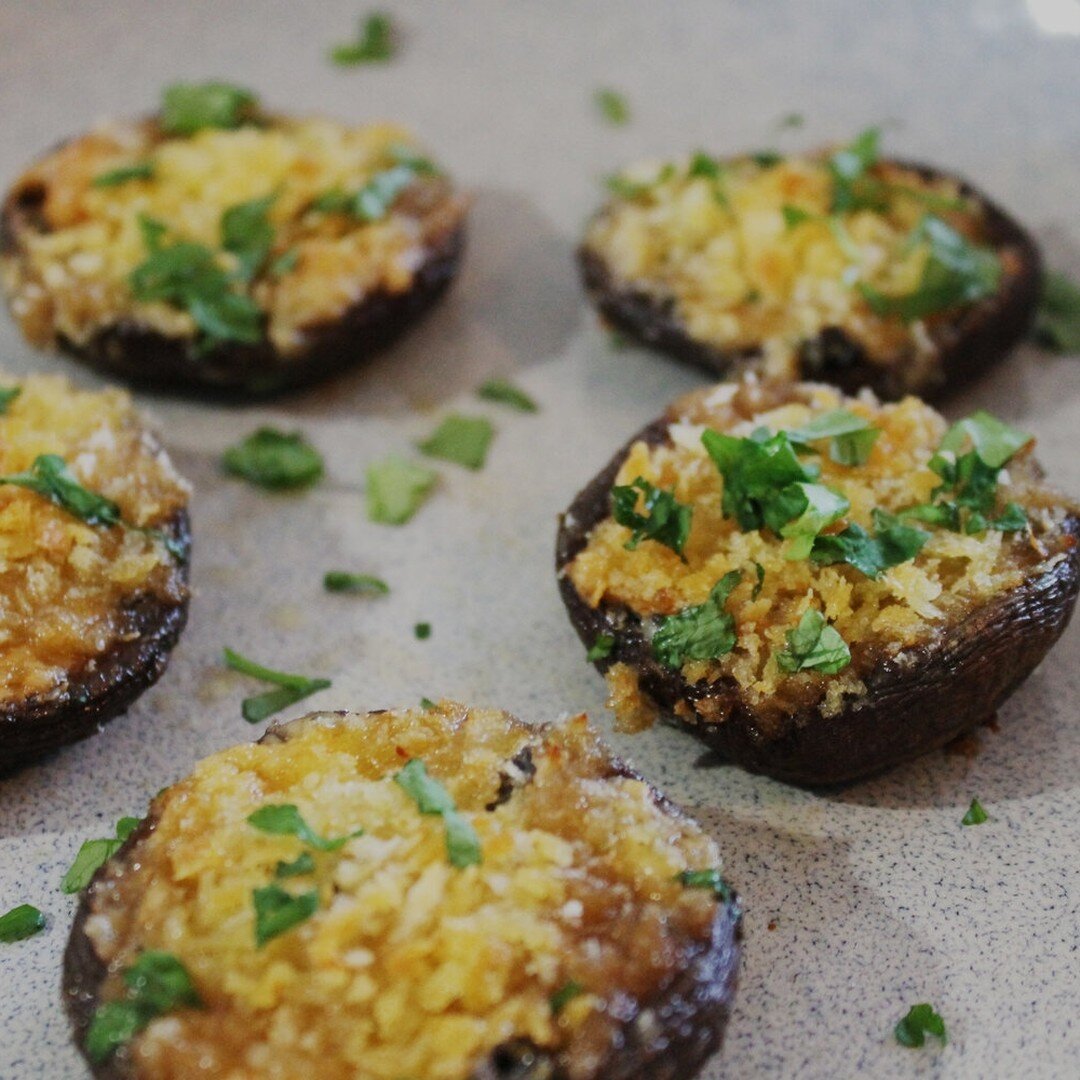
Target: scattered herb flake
277 911
463 440
759 571
822 507
50 477
462 842
795 215
275 460
291 688
94 854
666 520
431 797
7 395
852 436
362 584
975 815
893 543
703 632
285 263
422 630
302 864
791 120
427 704
600 648
612 105
143 170
284 819
992 439
766 159
814 645
189 107
21 922
920 1021
711 879
852 189
396 488
507 394
564 995
247 233
1057 324
374 43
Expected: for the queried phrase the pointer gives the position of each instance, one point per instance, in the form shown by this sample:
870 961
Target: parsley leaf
396 488
507 394
302 864
766 159
374 44
796 215
422 630
189 107
462 842
852 436
273 459
7 395
822 507
284 819
613 106
600 648
463 440
893 543
50 477
709 168
364 584
814 646
291 688
142 170
93 854
711 879
920 1021
703 632
277 911
992 439
975 815
156 983
1057 324
666 520
246 232
427 704
374 200
759 571
852 189
21 922
564 995
956 272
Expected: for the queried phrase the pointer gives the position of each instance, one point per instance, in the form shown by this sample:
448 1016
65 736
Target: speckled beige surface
877 896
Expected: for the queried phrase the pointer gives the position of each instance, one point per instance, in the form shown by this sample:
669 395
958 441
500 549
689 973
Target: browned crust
146 358
668 1037
915 702
968 342
105 686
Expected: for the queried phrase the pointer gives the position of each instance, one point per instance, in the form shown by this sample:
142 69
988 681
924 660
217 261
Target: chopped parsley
301 865
50 477
290 688
822 506
612 105
396 488
507 394
600 648
711 879
247 233
463 440
564 995
143 170
189 107
709 168
7 395
156 983
975 815
791 120
422 630
1057 324
814 645
703 632
374 44
462 842
20 922
373 201
362 584
920 1021
956 272
796 215
766 159
759 572
277 911
94 854
848 168
666 520
892 543
851 436
274 459
427 704
284 819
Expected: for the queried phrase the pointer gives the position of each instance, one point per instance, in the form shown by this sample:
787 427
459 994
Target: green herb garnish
301 865
462 842
852 437
291 688
1057 324
507 394
796 215
93 854
275 460
766 159
284 819
612 105
893 543
564 995
814 645
247 233
143 170
374 43
422 630
362 584
703 632
7 395
427 704
702 166
822 506
975 815
50 477
921 1020
956 272
374 200
189 107
759 571
463 440
396 488
852 189
666 520
711 879
791 120
600 648
156 983
21 922
277 911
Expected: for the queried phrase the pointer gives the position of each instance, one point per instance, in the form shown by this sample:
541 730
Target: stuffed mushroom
94 545
841 266
818 587
217 247
430 892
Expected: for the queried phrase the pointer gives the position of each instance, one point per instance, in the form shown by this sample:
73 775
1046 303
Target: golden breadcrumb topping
64 583
70 276
410 966
907 604
757 257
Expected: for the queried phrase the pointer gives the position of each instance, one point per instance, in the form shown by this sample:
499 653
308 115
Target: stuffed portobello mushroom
440 892
94 546
818 586
219 248
842 267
